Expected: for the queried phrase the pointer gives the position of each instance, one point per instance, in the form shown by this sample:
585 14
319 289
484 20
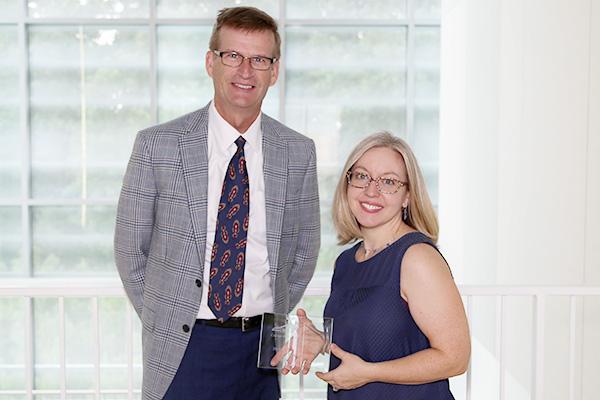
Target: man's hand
302 349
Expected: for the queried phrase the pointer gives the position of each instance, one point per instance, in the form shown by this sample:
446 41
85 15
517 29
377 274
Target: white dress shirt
257 297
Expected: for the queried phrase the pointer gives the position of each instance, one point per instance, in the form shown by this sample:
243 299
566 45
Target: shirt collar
225 135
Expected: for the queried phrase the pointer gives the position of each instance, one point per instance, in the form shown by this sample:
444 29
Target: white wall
519 198
519 180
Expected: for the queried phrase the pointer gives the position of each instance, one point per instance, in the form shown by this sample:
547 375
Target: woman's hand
353 371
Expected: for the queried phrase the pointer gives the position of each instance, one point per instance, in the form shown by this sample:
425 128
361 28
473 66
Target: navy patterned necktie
228 257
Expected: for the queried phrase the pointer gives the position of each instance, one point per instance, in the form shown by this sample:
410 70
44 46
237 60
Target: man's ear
274 73
208 62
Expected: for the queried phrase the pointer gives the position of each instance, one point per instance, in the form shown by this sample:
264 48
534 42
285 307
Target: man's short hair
249 19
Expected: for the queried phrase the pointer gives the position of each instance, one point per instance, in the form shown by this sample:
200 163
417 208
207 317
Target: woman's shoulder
415 237
417 248
423 257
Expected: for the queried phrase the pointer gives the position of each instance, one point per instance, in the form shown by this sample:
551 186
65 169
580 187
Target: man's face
241 89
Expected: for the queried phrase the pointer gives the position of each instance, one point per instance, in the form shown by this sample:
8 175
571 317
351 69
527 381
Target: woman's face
370 207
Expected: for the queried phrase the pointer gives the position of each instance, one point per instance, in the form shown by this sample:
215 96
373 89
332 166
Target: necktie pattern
229 249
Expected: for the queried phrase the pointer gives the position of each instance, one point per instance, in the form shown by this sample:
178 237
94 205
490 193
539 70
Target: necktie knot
240 142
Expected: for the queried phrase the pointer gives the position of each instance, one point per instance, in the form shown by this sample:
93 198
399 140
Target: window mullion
153 67
25 140
410 74
283 62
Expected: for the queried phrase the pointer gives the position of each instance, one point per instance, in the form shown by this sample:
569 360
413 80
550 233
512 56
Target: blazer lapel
275 159
194 162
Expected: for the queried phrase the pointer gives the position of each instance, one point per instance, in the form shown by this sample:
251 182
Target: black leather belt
243 323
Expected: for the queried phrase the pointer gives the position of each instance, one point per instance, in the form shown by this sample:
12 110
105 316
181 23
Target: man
218 222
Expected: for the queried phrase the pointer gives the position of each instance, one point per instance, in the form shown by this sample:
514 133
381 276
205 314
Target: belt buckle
244 320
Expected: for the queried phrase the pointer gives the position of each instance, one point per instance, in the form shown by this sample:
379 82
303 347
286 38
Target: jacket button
185 328
198 283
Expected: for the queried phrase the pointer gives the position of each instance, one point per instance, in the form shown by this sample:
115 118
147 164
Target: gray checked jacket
160 233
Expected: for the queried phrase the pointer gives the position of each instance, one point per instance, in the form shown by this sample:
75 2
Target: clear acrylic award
292 341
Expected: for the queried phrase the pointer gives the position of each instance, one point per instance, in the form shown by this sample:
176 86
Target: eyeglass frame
399 183
220 54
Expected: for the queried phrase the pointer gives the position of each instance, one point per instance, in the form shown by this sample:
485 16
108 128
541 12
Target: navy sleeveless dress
372 320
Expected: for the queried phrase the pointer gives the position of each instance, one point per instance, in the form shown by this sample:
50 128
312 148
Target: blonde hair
421 215
249 19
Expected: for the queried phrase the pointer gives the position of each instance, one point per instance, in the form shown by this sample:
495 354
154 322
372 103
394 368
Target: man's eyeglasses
235 59
383 184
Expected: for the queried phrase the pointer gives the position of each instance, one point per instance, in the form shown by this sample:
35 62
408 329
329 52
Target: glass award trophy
290 341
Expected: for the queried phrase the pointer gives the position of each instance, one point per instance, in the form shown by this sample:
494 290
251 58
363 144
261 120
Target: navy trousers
220 364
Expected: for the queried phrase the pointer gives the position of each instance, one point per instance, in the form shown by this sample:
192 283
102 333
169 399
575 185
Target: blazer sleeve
135 221
309 236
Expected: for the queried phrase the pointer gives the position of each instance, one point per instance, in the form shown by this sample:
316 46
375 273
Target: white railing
95 289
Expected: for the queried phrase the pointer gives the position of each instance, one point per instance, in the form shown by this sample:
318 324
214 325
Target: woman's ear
406 201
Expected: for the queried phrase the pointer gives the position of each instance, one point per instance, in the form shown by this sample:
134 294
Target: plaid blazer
160 235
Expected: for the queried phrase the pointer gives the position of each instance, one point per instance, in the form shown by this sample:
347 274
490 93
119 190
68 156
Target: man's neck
240 120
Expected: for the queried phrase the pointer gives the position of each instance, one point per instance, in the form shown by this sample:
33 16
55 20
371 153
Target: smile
370 207
242 86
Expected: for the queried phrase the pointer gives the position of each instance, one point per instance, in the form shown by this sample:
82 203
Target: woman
400 330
